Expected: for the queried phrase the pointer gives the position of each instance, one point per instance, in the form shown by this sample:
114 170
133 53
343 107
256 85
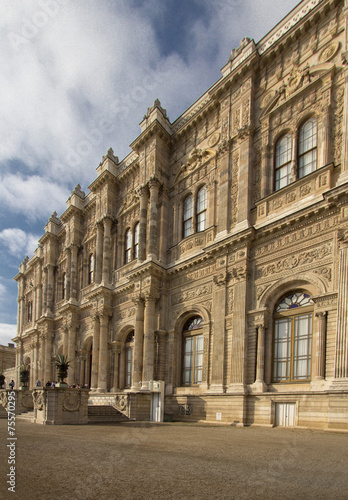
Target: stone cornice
156 128
102 179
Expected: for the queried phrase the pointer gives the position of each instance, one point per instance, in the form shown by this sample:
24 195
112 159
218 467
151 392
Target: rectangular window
302 347
282 350
128 366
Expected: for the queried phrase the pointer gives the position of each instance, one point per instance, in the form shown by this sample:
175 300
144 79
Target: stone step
105 414
27 415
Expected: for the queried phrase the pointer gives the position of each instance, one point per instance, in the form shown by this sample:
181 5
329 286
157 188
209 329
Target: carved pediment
298 79
197 158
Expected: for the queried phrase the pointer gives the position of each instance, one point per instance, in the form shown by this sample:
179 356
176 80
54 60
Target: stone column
143 193
326 132
83 360
71 353
116 349
344 160
35 361
106 251
138 344
68 274
99 253
265 174
163 242
153 220
149 340
244 182
239 332
319 360
48 357
73 294
224 192
259 385
341 358
103 353
95 354
219 300
50 287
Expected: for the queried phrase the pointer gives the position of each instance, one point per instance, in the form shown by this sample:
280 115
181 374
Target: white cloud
7 333
80 75
19 243
33 197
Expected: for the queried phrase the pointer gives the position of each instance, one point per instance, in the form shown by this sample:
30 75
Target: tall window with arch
283 158
128 246
187 216
201 214
292 346
64 286
129 345
193 342
136 241
307 148
91 269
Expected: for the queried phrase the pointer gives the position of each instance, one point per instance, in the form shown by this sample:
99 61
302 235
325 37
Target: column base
216 389
236 388
339 384
101 390
259 386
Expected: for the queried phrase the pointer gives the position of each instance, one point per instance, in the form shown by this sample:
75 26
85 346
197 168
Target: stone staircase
26 415
105 413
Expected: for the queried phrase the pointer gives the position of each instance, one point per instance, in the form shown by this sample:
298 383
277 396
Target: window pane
187 216
283 162
282 349
201 209
302 347
136 240
307 148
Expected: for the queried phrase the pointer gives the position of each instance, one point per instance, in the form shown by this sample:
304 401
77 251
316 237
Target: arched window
283 161
129 357
201 215
193 342
187 216
91 269
136 241
128 246
307 148
64 286
293 316
30 310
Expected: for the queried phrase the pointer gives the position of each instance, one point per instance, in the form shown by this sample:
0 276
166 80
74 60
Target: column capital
154 183
151 295
142 191
321 314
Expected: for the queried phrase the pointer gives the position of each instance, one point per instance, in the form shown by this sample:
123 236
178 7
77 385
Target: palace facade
214 257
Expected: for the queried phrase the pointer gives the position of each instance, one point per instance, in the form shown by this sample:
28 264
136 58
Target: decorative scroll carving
121 403
192 294
294 261
71 402
39 400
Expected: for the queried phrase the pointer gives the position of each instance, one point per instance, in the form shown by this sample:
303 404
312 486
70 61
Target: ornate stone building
214 257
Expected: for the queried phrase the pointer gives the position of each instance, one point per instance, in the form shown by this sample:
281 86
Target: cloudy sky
77 77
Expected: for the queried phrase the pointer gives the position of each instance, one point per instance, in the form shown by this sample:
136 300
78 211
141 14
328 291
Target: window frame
290 316
187 222
196 335
128 246
313 149
201 212
287 163
91 268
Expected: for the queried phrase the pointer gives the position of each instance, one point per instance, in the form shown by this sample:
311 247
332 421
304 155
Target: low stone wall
23 399
59 406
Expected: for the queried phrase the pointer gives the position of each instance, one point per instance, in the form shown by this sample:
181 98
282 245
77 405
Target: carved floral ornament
197 158
39 400
297 79
71 402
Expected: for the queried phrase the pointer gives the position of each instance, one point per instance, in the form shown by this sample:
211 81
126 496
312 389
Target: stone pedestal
60 406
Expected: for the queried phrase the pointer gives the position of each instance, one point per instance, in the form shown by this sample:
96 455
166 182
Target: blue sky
77 77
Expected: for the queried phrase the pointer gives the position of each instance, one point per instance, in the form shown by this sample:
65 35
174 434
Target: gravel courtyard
174 461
